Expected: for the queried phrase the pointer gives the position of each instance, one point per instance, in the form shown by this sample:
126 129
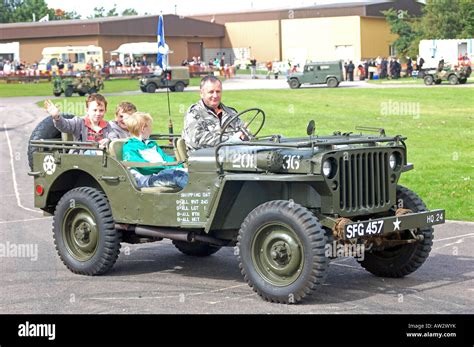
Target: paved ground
156 278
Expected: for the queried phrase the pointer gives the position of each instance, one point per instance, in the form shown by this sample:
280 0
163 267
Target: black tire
143 89
84 232
196 249
43 131
179 87
288 238
332 82
462 81
81 93
429 80
437 82
57 93
172 89
294 83
150 88
453 80
68 92
401 260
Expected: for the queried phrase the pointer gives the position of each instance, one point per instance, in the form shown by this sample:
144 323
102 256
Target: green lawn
46 88
437 121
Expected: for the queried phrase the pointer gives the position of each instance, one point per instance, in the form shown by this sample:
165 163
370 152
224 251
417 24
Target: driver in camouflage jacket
204 120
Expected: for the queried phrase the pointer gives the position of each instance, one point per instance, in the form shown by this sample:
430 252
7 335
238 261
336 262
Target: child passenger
92 127
118 127
140 149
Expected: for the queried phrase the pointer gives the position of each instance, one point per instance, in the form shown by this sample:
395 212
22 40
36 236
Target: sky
182 7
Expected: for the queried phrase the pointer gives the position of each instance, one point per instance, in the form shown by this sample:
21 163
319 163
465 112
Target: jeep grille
364 180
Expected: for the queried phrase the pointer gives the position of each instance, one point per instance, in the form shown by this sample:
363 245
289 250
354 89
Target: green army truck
82 84
176 78
287 205
325 72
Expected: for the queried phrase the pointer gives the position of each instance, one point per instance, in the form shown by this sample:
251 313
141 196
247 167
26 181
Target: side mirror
310 128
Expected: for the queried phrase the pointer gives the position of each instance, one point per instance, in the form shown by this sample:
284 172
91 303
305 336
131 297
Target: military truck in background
176 78
327 72
456 75
287 205
83 83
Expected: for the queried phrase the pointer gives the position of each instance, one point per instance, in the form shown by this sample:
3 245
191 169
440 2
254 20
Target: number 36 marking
291 162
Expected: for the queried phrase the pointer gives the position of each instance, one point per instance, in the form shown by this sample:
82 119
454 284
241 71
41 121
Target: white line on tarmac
15 185
23 220
453 237
461 240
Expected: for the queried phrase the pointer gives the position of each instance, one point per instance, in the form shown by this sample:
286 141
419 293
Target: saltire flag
163 49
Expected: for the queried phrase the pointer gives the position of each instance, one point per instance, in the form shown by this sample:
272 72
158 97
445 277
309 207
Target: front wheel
179 87
150 88
404 259
428 79
84 232
294 83
282 251
332 82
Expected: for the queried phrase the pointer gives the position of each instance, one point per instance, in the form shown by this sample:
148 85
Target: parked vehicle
329 72
176 78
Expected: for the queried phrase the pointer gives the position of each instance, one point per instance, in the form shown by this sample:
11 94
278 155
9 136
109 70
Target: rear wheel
453 79
282 251
294 83
84 232
179 87
332 82
399 261
150 88
197 249
429 80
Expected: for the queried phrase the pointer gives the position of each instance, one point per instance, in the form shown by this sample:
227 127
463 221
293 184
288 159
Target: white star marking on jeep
396 224
49 166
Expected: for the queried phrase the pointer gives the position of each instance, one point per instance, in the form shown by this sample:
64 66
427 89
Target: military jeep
83 83
452 75
174 78
287 205
326 72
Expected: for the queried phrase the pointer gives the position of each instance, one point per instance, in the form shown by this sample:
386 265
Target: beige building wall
319 39
261 37
376 37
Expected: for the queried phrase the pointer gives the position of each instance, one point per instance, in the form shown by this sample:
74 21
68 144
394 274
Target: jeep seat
116 151
180 150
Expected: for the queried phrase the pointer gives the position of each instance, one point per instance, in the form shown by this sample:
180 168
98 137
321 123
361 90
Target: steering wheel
243 128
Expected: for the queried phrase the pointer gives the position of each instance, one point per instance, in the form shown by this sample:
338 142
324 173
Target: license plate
369 228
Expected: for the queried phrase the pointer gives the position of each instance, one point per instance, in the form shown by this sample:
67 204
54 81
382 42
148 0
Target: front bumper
387 225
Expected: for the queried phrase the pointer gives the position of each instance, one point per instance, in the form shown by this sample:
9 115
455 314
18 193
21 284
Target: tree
14 11
405 27
129 12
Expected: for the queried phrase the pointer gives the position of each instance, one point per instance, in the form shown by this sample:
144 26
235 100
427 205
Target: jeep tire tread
84 232
400 261
282 251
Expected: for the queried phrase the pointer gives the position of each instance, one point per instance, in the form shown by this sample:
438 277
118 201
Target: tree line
441 19
14 11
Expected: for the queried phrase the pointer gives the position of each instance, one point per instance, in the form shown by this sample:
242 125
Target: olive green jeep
325 72
287 205
176 78
457 75
83 83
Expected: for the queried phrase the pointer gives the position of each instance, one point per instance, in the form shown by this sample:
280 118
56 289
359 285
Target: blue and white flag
163 49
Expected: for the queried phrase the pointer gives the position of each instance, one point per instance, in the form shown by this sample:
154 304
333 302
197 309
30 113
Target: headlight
395 161
329 168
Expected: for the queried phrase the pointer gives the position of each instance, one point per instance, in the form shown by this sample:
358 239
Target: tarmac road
156 278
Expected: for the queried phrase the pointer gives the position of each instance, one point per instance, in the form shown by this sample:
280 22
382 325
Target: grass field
437 121
46 88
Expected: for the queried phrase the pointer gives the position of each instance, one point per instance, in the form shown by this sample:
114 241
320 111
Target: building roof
175 26
369 8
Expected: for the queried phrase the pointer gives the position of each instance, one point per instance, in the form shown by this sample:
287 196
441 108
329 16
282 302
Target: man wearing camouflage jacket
204 120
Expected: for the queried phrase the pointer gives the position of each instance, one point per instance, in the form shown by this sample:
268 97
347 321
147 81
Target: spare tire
44 130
